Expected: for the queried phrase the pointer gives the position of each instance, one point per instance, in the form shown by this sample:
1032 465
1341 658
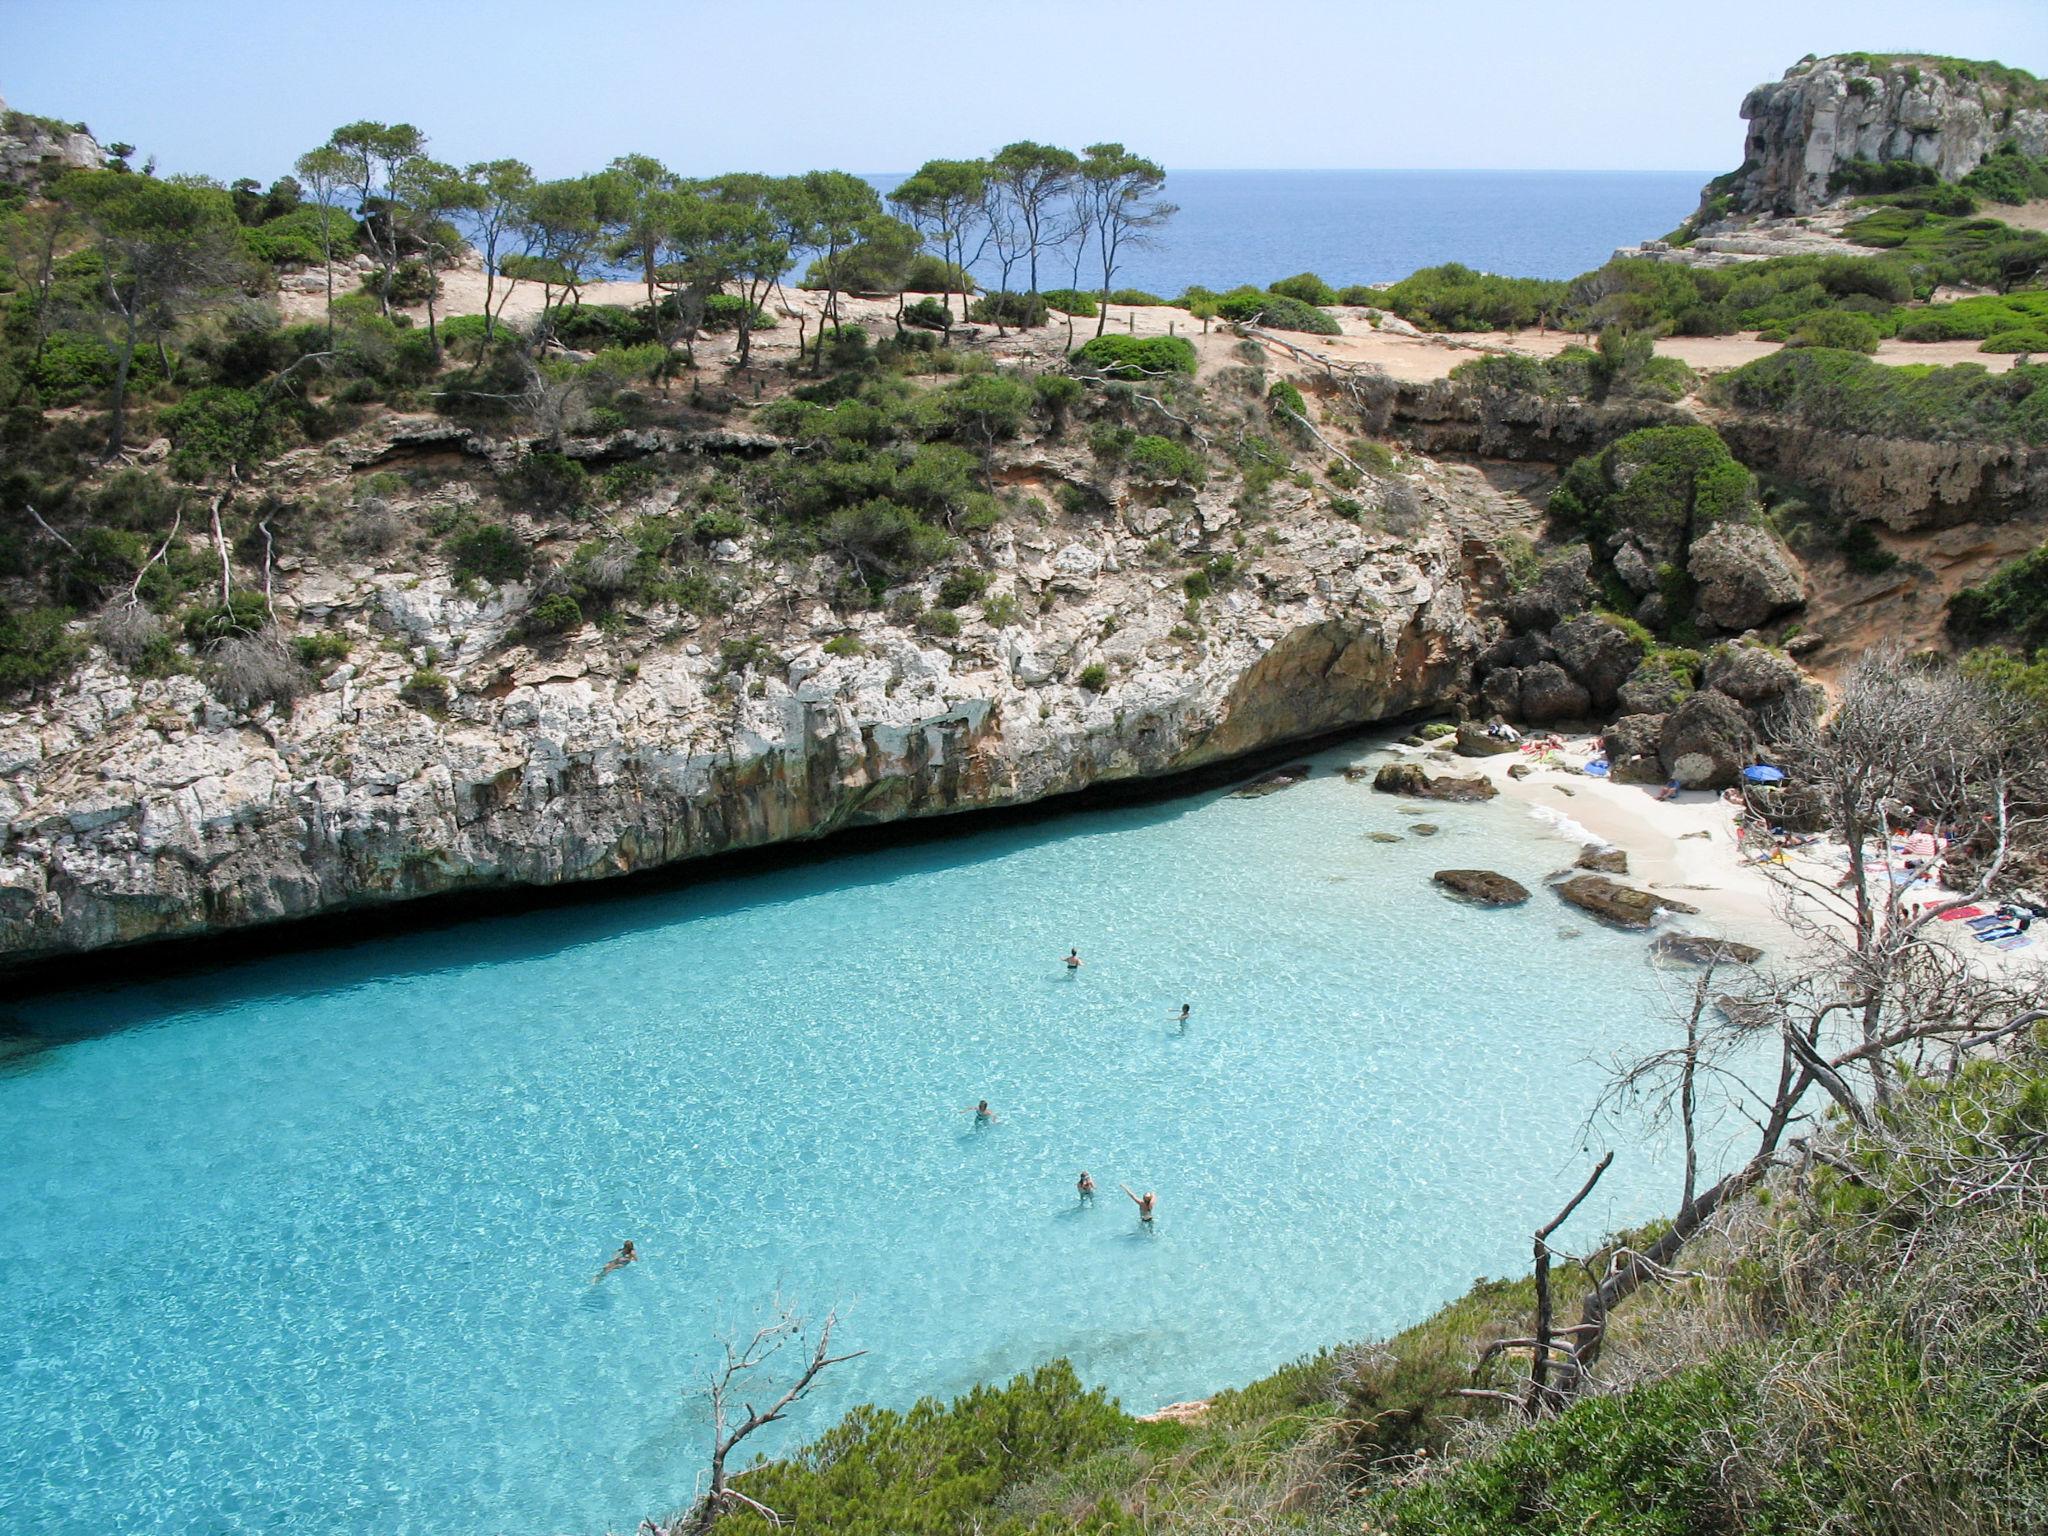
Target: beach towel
2017 941
1994 935
1597 769
1959 913
1990 920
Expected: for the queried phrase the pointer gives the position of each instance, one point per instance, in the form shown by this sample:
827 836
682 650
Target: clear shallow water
1376 226
310 1239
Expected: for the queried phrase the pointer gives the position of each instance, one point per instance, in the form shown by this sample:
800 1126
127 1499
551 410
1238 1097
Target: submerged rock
1425 829
1482 886
1272 783
1383 837
1410 779
1622 905
1702 949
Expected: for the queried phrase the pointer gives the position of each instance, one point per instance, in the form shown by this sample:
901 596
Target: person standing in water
619 1260
1086 1187
1144 1203
1183 1019
1073 959
983 1115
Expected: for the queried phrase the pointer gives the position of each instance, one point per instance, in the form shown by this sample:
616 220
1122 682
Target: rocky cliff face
33 148
1906 484
148 810
1825 113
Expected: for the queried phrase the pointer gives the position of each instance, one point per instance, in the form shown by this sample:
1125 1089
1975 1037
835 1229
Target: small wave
1564 826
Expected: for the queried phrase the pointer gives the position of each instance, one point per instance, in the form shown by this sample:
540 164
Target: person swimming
1073 959
1085 1186
983 1115
619 1260
1144 1203
1182 1020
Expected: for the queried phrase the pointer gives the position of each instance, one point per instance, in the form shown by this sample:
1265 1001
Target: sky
238 88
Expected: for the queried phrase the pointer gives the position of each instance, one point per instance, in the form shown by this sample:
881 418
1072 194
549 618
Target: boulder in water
1482 886
1622 905
1409 779
1700 949
1272 783
1603 861
1474 742
1425 829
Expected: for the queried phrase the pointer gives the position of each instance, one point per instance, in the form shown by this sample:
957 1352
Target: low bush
1307 288
36 648
1863 553
1138 357
928 314
2011 603
244 614
548 482
1845 391
1094 677
555 614
428 690
1163 461
1837 328
1021 310
1137 298
1276 312
1072 301
715 523
320 649
962 586
844 645
248 670
490 552
943 622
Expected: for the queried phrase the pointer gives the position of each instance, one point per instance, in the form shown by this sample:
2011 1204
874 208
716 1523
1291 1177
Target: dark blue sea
1375 226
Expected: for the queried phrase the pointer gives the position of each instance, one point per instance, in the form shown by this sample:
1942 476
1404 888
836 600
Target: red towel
1957 914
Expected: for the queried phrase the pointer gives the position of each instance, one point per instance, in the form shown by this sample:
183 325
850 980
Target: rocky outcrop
1707 741
1603 861
1907 484
1746 577
145 809
1758 677
1613 902
1828 115
1482 887
1472 741
1634 748
1599 654
1452 416
1410 779
35 149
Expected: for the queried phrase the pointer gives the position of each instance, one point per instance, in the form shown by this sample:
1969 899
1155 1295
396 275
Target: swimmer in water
983 1115
1086 1187
1073 959
1183 1019
619 1260
1143 1202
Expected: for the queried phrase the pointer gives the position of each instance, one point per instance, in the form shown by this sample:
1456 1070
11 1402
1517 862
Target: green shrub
962 586
2017 341
244 614
724 311
1456 298
73 367
489 552
36 649
1276 312
715 523
1837 328
1072 301
2011 602
1306 288
1666 485
1138 357
1137 298
320 649
1197 585
548 482
1000 611
555 614
1845 391
215 429
427 690
1094 677
930 314
943 622
1164 461
844 645
1283 397
1021 310
1862 551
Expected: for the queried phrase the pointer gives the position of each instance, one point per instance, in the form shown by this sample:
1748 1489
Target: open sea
1376 226
306 1242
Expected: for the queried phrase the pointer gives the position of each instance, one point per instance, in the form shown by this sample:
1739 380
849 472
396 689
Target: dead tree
728 1382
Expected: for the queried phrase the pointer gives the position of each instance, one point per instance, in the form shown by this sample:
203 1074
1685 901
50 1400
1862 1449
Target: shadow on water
411 940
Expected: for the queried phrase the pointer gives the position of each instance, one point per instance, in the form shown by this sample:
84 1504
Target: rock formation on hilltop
33 148
1809 131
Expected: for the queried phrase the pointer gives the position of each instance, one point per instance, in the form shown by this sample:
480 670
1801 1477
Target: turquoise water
310 1239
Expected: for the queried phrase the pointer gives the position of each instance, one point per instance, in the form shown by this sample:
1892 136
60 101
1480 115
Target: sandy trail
1420 358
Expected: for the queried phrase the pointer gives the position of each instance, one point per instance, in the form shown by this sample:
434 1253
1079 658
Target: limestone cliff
32 148
1945 115
140 810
